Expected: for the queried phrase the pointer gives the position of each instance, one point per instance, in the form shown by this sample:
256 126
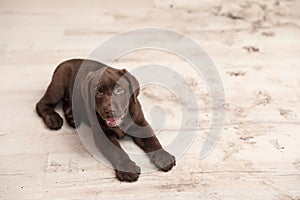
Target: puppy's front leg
126 169
161 158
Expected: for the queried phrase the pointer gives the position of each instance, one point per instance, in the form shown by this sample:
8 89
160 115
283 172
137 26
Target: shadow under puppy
105 99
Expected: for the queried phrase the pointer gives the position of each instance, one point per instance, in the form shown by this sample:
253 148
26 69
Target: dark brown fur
61 90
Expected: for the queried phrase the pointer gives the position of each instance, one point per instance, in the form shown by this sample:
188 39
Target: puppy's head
113 90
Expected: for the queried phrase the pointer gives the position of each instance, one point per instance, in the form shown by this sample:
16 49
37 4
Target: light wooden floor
256 48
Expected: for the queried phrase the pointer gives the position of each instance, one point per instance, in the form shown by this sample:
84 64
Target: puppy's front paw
128 172
71 121
53 121
163 160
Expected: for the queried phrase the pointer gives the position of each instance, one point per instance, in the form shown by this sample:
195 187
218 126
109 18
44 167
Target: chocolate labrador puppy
106 100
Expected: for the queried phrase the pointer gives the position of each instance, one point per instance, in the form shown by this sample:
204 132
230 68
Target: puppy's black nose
110 113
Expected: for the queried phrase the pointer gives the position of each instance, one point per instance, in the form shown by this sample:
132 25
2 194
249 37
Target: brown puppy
108 99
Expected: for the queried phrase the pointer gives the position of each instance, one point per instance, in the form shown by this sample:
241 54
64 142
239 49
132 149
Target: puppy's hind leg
54 94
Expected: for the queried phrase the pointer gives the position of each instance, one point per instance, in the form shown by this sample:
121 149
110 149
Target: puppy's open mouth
113 122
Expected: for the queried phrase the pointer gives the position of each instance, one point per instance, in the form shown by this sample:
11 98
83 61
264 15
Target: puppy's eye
119 90
99 93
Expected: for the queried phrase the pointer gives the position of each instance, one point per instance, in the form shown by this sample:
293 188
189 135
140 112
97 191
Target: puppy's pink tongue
111 121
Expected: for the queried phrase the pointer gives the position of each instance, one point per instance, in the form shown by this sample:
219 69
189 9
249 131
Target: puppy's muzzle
112 119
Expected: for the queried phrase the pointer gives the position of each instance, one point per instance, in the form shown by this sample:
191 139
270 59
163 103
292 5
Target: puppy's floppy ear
134 84
88 93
